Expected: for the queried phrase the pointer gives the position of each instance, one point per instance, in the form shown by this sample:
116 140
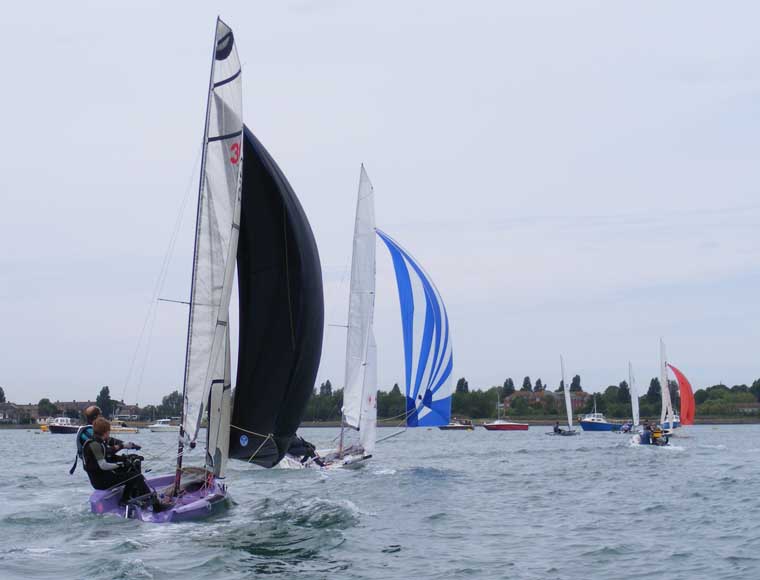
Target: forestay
428 356
217 225
360 387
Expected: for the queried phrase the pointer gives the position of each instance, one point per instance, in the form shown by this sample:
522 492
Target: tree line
170 406
614 401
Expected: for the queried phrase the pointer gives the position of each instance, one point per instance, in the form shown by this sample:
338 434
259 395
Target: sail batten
428 353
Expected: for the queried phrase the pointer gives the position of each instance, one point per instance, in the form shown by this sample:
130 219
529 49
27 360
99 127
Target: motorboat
501 425
458 425
123 428
63 425
597 422
164 426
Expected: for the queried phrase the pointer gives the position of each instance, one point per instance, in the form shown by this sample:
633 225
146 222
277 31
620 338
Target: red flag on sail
688 407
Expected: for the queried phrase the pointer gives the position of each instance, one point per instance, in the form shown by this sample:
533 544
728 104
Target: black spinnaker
281 312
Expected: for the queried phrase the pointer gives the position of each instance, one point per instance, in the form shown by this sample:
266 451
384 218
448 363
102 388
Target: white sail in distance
568 399
634 396
217 228
666 413
360 386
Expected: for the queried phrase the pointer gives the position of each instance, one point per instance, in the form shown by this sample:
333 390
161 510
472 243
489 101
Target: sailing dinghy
668 418
247 215
568 406
428 354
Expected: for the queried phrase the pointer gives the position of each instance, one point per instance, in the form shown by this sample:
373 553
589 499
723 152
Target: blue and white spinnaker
428 355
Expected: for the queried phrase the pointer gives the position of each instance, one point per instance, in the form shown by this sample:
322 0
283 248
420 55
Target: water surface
430 504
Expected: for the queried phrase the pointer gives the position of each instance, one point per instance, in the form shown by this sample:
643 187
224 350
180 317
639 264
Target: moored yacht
597 422
62 425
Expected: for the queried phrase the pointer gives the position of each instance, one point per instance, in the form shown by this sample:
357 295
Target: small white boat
122 427
164 426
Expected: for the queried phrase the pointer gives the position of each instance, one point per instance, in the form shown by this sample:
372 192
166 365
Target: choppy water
431 504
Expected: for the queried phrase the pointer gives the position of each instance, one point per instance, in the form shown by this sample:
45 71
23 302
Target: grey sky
577 177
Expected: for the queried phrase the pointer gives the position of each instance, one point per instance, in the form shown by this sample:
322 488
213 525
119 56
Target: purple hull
195 502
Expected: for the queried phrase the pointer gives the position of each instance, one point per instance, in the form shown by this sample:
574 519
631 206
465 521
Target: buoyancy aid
84 434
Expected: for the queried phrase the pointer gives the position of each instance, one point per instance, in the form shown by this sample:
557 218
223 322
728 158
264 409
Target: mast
181 443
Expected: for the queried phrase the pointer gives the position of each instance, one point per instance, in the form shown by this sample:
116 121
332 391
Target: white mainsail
634 395
207 360
666 414
368 420
360 387
568 399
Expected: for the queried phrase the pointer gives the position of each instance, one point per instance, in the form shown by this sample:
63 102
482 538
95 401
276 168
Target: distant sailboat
359 412
428 354
568 405
668 419
634 398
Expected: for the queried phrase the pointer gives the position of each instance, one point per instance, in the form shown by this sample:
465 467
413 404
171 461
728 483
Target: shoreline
532 421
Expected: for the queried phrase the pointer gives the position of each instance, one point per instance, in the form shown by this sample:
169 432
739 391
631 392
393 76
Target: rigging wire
151 315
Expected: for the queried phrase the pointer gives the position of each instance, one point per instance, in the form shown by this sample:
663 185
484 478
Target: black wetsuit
97 462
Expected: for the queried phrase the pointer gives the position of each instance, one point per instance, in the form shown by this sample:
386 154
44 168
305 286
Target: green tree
700 396
47 409
539 386
526 386
104 401
2 395
624 393
755 389
575 384
171 405
462 386
325 389
519 406
509 387
654 392
561 387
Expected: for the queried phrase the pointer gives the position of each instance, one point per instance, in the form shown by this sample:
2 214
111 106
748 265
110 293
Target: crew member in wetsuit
84 434
557 430
107 471
646 434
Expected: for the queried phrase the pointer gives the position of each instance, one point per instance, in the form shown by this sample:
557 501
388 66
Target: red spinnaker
688 407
